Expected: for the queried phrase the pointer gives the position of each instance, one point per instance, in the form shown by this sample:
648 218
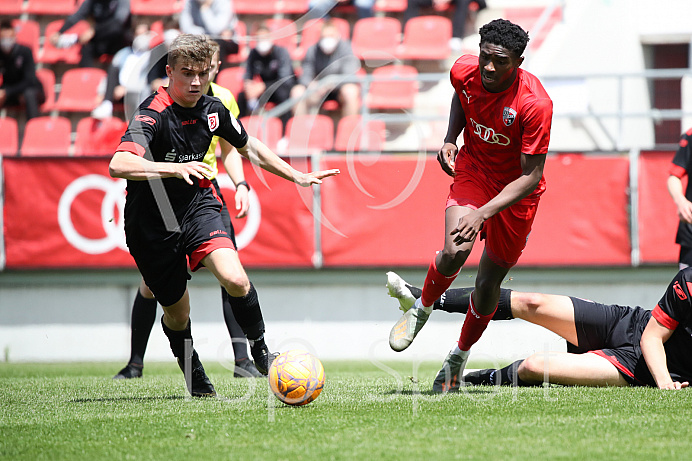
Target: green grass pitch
366 411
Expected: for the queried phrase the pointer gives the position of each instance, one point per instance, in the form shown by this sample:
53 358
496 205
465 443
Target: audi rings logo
114 198
114 201
254 215
488 134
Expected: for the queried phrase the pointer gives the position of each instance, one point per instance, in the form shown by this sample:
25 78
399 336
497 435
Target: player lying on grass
607 345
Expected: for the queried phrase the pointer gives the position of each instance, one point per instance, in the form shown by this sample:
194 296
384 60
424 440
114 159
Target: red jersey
501 126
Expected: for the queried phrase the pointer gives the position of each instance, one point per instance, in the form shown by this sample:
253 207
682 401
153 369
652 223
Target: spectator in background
109 31
461 11
681 167
268 73
159 55
330 56
215 18
19 82
127 76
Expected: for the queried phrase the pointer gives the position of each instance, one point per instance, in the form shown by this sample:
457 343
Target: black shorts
162 258
614 333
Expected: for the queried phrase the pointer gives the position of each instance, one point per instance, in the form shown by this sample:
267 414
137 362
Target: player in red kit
505 115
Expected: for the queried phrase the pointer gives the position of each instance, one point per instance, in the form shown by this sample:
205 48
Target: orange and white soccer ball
296 377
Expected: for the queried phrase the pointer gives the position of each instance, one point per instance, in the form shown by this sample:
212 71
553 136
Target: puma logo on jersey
468 98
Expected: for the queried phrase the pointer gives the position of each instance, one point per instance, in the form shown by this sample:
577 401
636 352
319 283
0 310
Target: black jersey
163 131
674 311
682 165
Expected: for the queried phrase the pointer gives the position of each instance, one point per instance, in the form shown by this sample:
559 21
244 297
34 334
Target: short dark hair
506 34
6 24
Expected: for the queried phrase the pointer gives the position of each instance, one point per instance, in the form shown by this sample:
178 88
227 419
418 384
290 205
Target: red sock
435 284
473 327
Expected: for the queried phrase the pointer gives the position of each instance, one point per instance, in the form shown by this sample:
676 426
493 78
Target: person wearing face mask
109 29
330 56
268 77
127 76
19 81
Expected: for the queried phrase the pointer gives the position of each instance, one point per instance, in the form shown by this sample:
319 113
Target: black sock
504 305
237 336
457 300
247 312
177 339
509 376
141 323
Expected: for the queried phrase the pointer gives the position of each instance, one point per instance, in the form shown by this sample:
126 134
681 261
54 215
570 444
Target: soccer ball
296 377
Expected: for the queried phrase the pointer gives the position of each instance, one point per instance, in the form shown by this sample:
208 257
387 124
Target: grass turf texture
75 411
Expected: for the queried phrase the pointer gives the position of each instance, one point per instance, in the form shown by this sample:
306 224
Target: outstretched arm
233 163
261 155
653 338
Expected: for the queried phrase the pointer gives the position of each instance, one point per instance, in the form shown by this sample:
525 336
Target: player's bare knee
176 320
237 285
531 369
527 301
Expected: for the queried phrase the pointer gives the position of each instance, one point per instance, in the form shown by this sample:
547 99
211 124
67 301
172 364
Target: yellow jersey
229 101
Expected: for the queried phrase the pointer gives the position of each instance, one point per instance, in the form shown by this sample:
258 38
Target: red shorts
507 232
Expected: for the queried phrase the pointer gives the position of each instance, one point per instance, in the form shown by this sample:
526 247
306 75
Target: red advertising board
383 210
67 212
658 217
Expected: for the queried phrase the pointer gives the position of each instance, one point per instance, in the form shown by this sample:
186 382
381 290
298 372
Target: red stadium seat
527 19
393 94
266 129
28 34
309 132
426 37
376 38
231 78
47 79
270 7
156 7
313 30
350 130
390 6
50 54
9 136
98 137
51 7
80 90
11 7
46 136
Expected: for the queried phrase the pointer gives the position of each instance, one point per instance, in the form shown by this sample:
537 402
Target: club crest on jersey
213 120
508 116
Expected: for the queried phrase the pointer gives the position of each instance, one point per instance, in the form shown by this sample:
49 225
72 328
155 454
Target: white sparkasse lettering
488 134
191 157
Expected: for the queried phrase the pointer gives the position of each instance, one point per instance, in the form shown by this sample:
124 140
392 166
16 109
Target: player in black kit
679 168
172 210
607 345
